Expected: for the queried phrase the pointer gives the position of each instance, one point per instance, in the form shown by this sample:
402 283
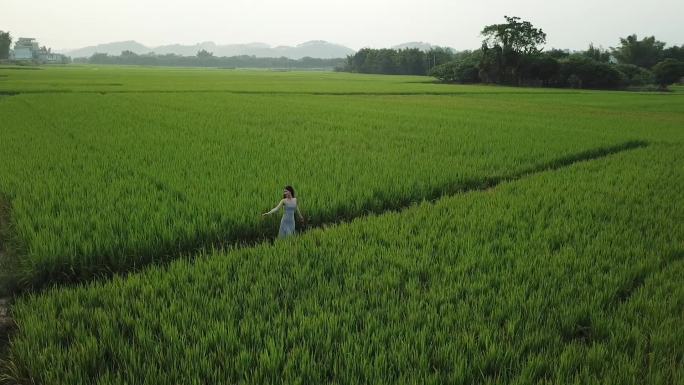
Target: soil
5 320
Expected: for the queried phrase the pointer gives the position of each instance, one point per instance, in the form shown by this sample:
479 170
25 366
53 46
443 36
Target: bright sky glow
64 24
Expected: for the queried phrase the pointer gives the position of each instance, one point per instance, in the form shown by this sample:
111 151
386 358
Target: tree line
408 61
5 44
511 54
207 59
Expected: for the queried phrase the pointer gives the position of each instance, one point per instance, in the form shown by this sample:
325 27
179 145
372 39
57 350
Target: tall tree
557 54
438 55
5 43
674 52
516 35
203 53
409 61
505 47
643 53
597 53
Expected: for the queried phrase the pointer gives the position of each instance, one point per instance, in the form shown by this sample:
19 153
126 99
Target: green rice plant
97 79
103 182
569 276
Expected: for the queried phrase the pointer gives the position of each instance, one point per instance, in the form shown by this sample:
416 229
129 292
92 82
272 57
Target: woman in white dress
287 224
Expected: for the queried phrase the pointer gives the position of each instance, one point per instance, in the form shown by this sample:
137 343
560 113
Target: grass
9 249
464 234
152 175
550 279
95 79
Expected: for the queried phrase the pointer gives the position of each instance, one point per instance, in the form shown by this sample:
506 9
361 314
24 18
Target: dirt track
5 320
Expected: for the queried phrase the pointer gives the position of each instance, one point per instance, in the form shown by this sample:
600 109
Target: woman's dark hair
291 190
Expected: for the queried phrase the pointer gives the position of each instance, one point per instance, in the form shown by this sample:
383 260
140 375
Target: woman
287 224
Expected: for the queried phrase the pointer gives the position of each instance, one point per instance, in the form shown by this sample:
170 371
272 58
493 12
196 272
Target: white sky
63 24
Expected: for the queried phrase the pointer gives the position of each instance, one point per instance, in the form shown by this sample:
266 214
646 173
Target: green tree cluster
409 61
644 53
511 54
207 59
668 72
5 43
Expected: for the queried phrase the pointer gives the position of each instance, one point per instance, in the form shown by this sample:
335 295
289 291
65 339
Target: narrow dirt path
6 328
5 319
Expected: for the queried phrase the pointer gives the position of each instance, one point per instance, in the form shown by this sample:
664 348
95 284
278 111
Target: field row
471 290
101 183
123 79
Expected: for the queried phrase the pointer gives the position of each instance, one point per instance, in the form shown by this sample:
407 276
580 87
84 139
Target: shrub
541 69
582 72
668 71
456 71
635 75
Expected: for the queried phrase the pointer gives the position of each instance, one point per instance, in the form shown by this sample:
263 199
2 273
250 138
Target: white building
26 49
23 54
51 58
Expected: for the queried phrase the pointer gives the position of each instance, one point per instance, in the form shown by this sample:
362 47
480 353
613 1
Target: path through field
6 323
5 320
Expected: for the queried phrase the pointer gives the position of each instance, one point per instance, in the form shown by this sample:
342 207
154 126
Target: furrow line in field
585 332
5 268
314 93
627 291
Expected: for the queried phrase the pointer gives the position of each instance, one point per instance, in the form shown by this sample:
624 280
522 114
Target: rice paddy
459 234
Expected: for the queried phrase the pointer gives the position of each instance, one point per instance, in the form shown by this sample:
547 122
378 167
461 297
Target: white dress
287 223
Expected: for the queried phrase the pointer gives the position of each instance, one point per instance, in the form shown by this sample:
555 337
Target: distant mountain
109 48
315 48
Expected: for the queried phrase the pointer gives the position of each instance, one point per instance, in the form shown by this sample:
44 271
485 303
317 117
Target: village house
28 49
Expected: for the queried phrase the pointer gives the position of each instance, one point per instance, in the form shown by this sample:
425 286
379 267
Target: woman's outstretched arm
280 204
299 212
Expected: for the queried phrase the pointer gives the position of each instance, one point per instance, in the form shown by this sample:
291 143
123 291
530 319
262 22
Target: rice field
108 183
458 234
